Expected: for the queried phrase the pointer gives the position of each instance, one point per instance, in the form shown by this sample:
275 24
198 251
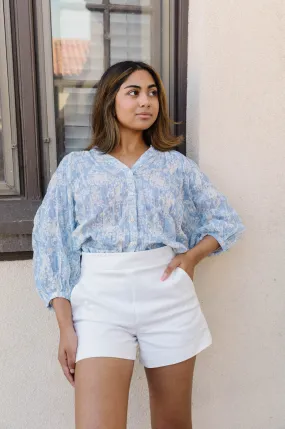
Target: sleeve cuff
48 302
224 244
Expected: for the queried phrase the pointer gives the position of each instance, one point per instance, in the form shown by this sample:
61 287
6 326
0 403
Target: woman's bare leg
170 390
101 392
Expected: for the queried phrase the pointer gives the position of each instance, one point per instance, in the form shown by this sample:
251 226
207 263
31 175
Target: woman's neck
131 142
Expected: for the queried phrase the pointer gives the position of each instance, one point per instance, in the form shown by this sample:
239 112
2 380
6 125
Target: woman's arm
207 211
68 339
211 224
63 312
204 248
56 262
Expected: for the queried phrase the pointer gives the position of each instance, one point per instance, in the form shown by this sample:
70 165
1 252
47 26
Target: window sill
15 243
16 225
17 216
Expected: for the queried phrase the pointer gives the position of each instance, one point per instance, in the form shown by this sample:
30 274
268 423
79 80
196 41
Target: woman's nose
144 100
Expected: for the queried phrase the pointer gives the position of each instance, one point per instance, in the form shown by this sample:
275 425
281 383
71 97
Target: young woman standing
116 241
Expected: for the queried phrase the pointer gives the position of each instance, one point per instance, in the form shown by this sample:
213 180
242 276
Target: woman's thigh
170 389
101 392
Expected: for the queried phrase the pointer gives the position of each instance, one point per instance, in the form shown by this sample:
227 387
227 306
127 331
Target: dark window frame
17 213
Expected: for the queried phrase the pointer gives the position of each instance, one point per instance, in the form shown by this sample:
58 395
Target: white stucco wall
236 128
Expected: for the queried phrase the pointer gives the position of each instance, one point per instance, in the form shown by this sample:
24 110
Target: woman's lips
144 115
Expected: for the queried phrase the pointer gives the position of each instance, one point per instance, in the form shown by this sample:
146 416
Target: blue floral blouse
95 203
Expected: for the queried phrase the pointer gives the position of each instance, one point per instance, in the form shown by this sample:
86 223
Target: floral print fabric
95 203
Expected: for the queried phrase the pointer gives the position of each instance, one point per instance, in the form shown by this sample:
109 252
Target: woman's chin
136 128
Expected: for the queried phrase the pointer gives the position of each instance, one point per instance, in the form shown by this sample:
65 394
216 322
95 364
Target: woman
116 241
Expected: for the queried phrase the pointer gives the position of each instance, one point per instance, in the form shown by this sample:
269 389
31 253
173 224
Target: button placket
132 204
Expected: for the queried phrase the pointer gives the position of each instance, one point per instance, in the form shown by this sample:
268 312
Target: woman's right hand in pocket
67 352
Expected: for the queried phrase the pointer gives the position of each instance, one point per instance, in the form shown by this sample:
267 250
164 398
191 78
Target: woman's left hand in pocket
183 261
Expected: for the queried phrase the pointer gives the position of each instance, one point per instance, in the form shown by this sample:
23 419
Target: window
9 169
88 37
80 39
20 190
67 45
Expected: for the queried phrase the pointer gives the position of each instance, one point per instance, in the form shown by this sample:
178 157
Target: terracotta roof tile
69 56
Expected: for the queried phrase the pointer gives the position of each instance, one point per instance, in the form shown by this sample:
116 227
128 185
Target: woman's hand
67 352
68 338
188 260
183 261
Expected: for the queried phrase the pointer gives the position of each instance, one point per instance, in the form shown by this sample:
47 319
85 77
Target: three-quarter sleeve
56 263
208 211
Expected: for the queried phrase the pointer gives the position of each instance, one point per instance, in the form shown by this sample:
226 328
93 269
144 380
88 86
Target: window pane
83 49
1 146
132 2
130 37
77 115
9 172
78 44
78 61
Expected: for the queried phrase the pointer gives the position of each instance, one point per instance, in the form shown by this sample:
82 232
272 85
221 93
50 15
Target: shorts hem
179 356
104 355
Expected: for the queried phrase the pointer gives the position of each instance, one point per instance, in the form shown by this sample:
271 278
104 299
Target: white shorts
120 303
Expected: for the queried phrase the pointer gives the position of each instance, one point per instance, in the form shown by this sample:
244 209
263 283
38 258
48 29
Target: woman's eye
154 93
133 92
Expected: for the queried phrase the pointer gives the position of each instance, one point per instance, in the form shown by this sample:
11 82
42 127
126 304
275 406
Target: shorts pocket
183 273
186 280
75 288
186 288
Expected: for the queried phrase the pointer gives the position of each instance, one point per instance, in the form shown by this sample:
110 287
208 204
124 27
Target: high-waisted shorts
120 304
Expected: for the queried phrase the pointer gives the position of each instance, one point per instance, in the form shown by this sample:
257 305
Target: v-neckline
115 160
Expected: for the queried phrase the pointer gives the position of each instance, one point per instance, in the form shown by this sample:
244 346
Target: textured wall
236 127
34 393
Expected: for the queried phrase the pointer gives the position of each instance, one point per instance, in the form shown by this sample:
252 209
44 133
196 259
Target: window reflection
86 40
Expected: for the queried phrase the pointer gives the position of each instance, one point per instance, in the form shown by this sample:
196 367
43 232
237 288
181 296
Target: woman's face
136 102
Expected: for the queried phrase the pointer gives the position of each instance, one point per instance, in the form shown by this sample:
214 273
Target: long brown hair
105 130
